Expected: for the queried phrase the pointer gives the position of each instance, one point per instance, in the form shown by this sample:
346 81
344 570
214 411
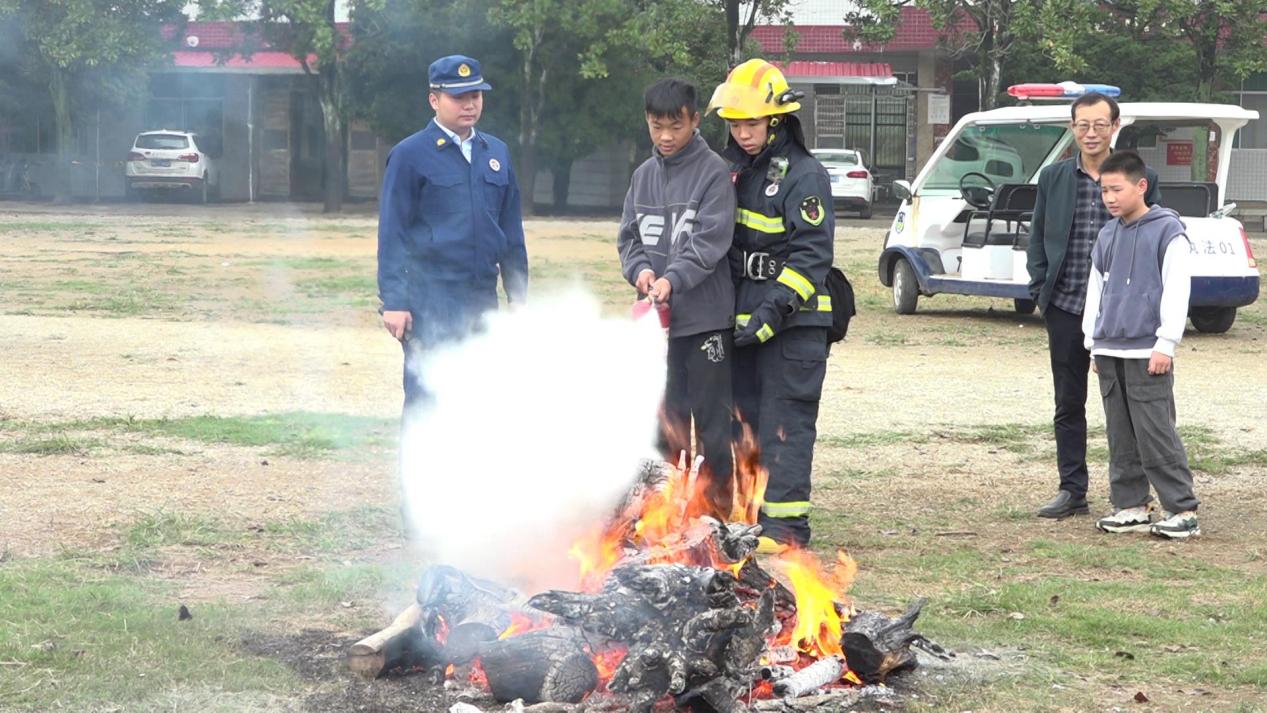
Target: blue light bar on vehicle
1063 90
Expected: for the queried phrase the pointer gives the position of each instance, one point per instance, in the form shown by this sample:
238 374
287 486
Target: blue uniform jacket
446 228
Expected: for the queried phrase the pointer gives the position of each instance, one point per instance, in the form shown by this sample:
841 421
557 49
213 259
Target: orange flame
606 662
666 514
521 624
819 622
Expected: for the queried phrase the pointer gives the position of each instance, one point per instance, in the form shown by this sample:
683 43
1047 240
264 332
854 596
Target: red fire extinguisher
642 306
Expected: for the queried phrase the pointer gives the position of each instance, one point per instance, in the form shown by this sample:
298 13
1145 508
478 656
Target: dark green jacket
1053 219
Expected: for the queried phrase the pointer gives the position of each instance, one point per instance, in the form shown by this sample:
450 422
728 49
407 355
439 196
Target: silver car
166 160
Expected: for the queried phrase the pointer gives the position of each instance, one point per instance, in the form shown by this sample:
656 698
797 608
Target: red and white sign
1179 153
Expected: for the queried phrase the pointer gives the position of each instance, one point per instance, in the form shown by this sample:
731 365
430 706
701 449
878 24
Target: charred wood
821 673
395 646
876 645
539 666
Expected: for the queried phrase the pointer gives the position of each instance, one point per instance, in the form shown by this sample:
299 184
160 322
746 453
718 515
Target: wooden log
539 666
386 649
876 645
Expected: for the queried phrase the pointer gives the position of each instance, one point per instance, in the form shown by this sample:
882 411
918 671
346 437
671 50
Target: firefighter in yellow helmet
779 260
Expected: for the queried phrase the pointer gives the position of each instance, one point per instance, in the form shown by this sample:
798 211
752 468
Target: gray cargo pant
1144 446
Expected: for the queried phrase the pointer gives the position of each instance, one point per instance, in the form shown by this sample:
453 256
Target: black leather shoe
1063 505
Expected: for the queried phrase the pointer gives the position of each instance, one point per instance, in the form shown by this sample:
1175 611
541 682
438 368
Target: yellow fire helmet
752 90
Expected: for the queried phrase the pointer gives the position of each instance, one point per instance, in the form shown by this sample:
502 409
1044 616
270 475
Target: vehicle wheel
202 194
865 213
1213 320
1024 306
905 287
129 193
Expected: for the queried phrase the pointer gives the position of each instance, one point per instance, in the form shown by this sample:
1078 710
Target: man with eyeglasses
1068 215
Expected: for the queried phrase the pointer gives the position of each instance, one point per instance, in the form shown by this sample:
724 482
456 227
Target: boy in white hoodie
1137 307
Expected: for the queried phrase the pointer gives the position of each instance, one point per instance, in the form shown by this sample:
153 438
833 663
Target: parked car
852 184
963 226
166 160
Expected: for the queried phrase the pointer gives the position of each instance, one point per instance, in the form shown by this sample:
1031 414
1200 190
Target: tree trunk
561 172
60 95
335 175
734 48
529 115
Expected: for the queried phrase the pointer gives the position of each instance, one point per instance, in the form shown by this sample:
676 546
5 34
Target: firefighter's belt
761 266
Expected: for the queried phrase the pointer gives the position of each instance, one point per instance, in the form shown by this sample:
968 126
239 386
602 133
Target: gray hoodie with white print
678 222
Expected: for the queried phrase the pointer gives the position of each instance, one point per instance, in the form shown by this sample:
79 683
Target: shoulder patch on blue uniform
812 210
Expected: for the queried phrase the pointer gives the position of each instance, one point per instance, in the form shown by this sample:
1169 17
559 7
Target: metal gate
887 152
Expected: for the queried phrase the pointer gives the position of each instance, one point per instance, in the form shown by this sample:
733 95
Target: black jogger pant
698 386
778 385
1070 364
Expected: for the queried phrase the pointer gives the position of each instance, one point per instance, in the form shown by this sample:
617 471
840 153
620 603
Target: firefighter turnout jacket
783 244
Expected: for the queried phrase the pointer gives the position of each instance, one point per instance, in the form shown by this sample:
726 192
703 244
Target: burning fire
669 512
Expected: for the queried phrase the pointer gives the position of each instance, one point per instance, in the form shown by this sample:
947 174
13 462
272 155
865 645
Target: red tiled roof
868 70
225 35
263 61
214 40
915 32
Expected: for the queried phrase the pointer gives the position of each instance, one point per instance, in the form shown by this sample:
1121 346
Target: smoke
533 435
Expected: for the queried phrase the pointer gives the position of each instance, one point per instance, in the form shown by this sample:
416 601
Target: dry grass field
198 406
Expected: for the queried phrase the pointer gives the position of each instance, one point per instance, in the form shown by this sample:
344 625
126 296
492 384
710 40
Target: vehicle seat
1190 199
1013 204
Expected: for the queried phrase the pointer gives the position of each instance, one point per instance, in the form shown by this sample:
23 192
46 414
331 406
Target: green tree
86 52
741 17
306 29
567 76
985 30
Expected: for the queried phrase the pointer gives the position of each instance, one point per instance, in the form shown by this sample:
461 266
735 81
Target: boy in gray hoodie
677 227
1137 307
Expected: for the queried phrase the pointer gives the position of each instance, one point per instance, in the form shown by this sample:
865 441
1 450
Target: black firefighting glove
767 319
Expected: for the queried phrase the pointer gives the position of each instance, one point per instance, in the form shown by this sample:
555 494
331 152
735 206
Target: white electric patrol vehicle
963 226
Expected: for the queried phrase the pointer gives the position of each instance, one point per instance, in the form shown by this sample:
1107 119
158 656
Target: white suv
170 160
852 184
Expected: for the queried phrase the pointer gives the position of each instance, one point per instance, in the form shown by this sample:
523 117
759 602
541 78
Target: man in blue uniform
780 258
448 223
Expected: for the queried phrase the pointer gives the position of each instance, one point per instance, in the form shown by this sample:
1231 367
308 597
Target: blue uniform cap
456 74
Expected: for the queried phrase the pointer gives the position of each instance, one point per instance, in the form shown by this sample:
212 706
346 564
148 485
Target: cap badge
494 164
464 70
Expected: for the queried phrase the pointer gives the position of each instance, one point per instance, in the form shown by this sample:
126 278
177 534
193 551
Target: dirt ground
171 311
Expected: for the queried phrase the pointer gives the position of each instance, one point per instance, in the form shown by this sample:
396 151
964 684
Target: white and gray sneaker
1177 526
1128 520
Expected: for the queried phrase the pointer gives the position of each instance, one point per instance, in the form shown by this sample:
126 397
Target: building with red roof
251 104
849 105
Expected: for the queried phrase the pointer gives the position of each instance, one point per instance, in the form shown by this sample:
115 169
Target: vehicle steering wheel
978 197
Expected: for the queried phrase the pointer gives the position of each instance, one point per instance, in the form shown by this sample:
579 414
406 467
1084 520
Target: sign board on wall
1179 153
938 109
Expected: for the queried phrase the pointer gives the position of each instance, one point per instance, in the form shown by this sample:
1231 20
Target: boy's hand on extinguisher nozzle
661 290
643 283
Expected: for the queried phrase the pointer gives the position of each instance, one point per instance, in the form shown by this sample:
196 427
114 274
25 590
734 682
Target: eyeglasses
1101 127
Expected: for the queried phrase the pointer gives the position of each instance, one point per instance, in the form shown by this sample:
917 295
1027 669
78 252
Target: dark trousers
778 386
452 315
698 387
1144 445
1070 364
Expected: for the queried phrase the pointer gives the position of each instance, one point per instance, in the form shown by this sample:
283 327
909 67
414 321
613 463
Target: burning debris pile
672 608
